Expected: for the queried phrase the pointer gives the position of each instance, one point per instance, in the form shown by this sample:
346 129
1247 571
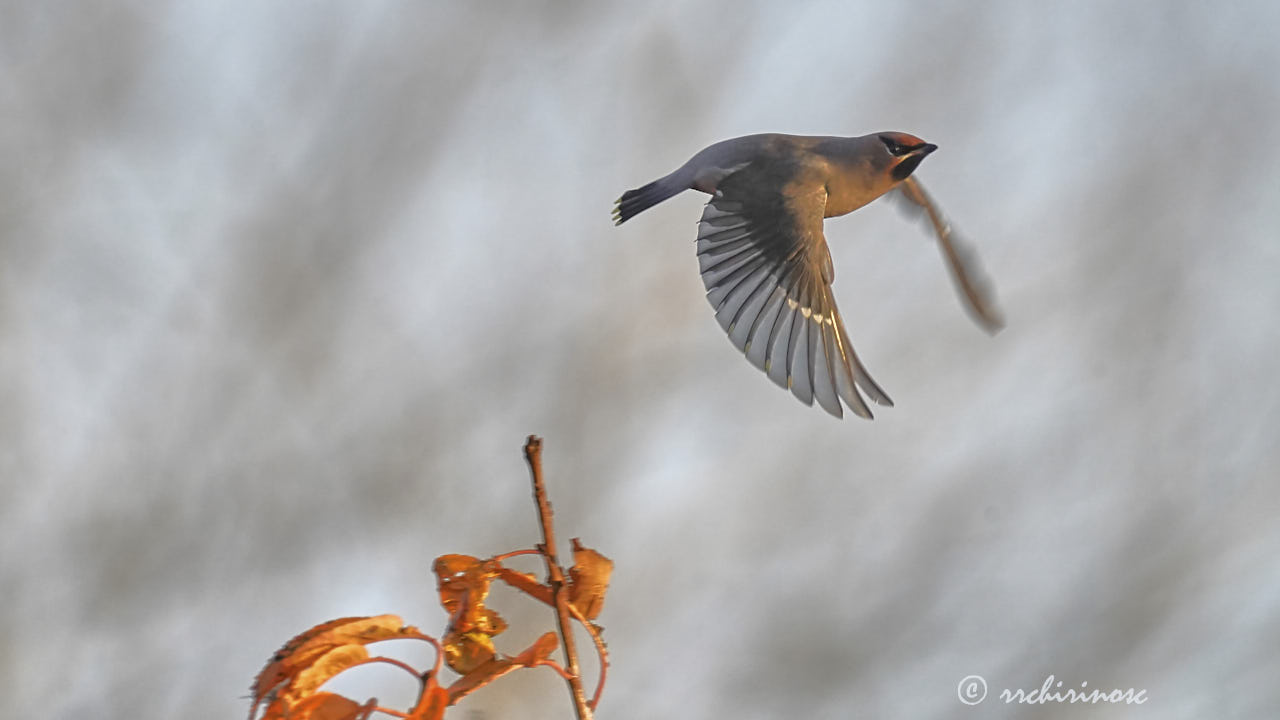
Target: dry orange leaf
464 652
284 663
526 583
312 657
495 668
540 650
462 580
328 706
432 704
588 580
463 583
480 676
325 667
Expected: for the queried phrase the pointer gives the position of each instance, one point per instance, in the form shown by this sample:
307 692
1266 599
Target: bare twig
594 631
555 578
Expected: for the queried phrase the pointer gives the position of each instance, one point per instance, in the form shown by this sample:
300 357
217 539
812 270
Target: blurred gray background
283 288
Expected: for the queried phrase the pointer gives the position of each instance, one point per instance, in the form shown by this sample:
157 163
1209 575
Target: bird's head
902 153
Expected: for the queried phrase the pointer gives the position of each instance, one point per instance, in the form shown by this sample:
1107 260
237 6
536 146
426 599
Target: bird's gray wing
976 291
768 275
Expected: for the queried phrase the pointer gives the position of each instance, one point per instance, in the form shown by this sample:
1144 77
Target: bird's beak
911 161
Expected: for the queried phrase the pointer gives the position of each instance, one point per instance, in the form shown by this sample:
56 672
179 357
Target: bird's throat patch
903 170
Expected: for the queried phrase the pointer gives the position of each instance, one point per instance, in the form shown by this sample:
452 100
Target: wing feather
768 275
977 293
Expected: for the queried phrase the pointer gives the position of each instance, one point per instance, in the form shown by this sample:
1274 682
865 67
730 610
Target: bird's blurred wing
976 291
768 275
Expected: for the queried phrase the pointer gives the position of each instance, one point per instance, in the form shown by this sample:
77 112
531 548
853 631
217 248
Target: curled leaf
464 652
463 583
432 704
495 668
588 580
329 706
526 583
458 578
309 659
285 663
325 667
540 650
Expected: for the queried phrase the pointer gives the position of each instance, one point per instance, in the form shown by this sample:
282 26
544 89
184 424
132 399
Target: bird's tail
636 201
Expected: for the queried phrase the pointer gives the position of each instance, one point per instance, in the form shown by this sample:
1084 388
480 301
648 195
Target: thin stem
554 666
559 588
515 553
594 632
415 634
391 661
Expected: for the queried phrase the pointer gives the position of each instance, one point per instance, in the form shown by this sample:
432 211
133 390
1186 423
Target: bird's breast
849 188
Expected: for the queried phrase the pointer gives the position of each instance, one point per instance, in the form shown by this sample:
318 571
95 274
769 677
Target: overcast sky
284 286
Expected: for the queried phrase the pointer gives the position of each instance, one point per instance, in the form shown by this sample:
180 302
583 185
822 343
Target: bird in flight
764 259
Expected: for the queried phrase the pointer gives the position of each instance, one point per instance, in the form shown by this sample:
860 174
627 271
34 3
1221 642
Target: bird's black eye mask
897 149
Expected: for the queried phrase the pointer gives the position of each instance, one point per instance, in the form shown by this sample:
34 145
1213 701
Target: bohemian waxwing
765 262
